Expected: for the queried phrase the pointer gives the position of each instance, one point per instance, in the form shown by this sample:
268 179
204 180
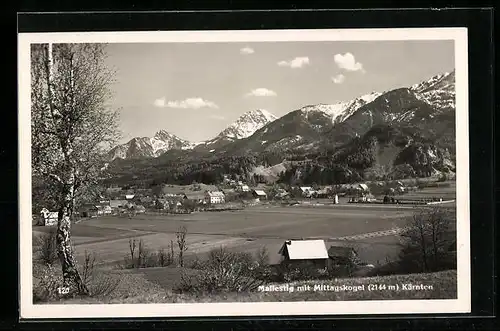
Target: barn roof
305 249
194 195
260 192
364 187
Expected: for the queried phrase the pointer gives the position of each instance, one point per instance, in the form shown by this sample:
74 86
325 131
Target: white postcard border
40 311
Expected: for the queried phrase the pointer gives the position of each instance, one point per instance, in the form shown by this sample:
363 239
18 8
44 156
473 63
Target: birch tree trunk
71 277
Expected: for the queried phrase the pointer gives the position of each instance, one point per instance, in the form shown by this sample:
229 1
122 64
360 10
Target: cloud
247 50
338 79
261 92
189 103
298 62
160 103
348 62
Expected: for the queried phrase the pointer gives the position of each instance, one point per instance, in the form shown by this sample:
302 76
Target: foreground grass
134 289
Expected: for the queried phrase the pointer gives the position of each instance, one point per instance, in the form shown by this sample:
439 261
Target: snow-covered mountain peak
438 91
247 124
164 135
138 147
341 110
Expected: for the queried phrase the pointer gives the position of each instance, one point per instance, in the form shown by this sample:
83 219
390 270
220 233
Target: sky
195 90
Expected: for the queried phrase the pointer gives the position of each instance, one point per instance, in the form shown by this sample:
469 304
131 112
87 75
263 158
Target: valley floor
371 229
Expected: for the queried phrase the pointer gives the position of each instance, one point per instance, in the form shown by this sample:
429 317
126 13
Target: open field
247 230
447 193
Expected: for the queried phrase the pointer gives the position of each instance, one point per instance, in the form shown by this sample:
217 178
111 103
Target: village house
259 194
106 209
359 193
195 196
243 188
169 202
322 193
363 188
214 197
48 218
115 204
90 210
304 251
307 191
129 196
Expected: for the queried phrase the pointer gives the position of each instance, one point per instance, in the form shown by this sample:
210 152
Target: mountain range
422 115
259 129
163 141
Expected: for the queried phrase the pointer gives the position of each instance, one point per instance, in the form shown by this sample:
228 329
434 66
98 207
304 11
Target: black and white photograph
236 173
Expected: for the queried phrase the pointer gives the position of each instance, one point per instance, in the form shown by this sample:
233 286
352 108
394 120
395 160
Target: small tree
426 241
172 255
181 243
132 247
262 257
142 255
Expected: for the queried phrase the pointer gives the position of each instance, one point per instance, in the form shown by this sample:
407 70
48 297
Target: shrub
98 283
47 287
223 271
103 285
46 245
299 271
262 257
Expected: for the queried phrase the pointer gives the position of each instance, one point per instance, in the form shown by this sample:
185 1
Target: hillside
439 285
384 152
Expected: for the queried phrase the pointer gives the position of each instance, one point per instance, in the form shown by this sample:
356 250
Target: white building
243 188
48 218
215 197
307 191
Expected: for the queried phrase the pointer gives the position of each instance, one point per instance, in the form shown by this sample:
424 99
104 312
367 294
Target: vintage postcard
244 173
